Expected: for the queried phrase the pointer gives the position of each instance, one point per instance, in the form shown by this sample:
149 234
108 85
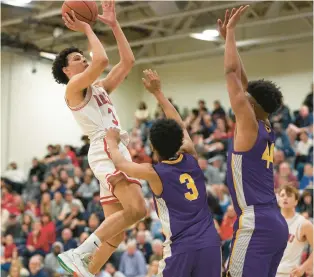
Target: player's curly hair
267 94
166 137
62 61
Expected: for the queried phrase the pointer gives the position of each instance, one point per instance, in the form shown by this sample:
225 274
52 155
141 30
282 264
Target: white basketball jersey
295 247
97 113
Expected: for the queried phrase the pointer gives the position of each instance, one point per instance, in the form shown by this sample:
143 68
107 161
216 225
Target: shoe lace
86 259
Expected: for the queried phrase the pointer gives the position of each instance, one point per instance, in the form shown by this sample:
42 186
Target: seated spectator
141 114
211 173
143 246
226 228
56 205
279 157
86 190
38 169
74 220
218 111
285 176
37 242
157 251
49 228
57 186
207 126
132 263
67 239
78 175
69 200
16 267
45 203
303 149
70 152
93 223
305 204
36 267
303 120
14 229
282 141
83 237
51 260
138 153
307 179
31 191
94 206
308 101
71 185
32 208
27 222
141 226
9 248
4 219
153 269
282 117
111 271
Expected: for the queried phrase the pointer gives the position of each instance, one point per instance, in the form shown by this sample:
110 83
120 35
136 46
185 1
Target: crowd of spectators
56 206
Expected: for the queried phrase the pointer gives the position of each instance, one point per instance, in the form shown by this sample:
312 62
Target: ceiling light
49 56
18 3
91 54
207 35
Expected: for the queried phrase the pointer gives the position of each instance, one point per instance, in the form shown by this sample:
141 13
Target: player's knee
137 210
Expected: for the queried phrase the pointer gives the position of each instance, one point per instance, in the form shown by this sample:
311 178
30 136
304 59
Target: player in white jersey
300 233
89 101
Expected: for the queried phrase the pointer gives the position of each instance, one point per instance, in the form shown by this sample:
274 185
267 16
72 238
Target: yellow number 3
268 154
189 182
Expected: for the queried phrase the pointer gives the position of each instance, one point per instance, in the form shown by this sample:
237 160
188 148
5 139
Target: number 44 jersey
182 207
97 113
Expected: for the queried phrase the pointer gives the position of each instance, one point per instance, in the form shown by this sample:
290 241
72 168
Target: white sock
89 245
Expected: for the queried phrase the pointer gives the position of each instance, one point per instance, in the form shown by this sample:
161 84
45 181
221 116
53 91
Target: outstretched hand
113 134
108 13
235 16
73 23
151 81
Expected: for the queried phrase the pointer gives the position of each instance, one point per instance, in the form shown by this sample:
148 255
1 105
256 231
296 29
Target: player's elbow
128 63
230 70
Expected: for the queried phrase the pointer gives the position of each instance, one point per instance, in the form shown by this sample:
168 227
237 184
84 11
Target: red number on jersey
114 120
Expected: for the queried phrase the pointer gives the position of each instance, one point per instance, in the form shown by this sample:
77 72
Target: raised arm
99 62
142 171
239 102
122 69
152 84
223 32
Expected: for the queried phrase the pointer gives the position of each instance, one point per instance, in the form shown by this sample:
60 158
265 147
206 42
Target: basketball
86 11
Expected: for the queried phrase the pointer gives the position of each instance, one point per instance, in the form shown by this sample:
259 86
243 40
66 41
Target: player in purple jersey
261 233
192 246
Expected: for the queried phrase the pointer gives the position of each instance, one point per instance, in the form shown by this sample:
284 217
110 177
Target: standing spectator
132 263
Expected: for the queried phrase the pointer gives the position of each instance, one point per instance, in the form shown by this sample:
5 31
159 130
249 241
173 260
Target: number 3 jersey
250 174
97 113
182 207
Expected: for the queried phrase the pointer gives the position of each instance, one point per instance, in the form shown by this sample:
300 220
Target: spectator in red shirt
6 197
71 154
9 248
37 242
48 228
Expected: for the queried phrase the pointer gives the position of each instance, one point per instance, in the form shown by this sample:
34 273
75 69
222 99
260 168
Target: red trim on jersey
106 149
83 103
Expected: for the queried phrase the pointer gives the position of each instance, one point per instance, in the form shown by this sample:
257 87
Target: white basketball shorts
103 168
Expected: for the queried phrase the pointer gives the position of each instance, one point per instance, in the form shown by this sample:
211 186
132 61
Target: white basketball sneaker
75 264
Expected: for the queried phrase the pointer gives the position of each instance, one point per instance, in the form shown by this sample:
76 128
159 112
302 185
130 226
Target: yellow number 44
268 154
190 184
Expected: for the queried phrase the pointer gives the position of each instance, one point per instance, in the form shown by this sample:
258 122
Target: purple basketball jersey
250 174
182 207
